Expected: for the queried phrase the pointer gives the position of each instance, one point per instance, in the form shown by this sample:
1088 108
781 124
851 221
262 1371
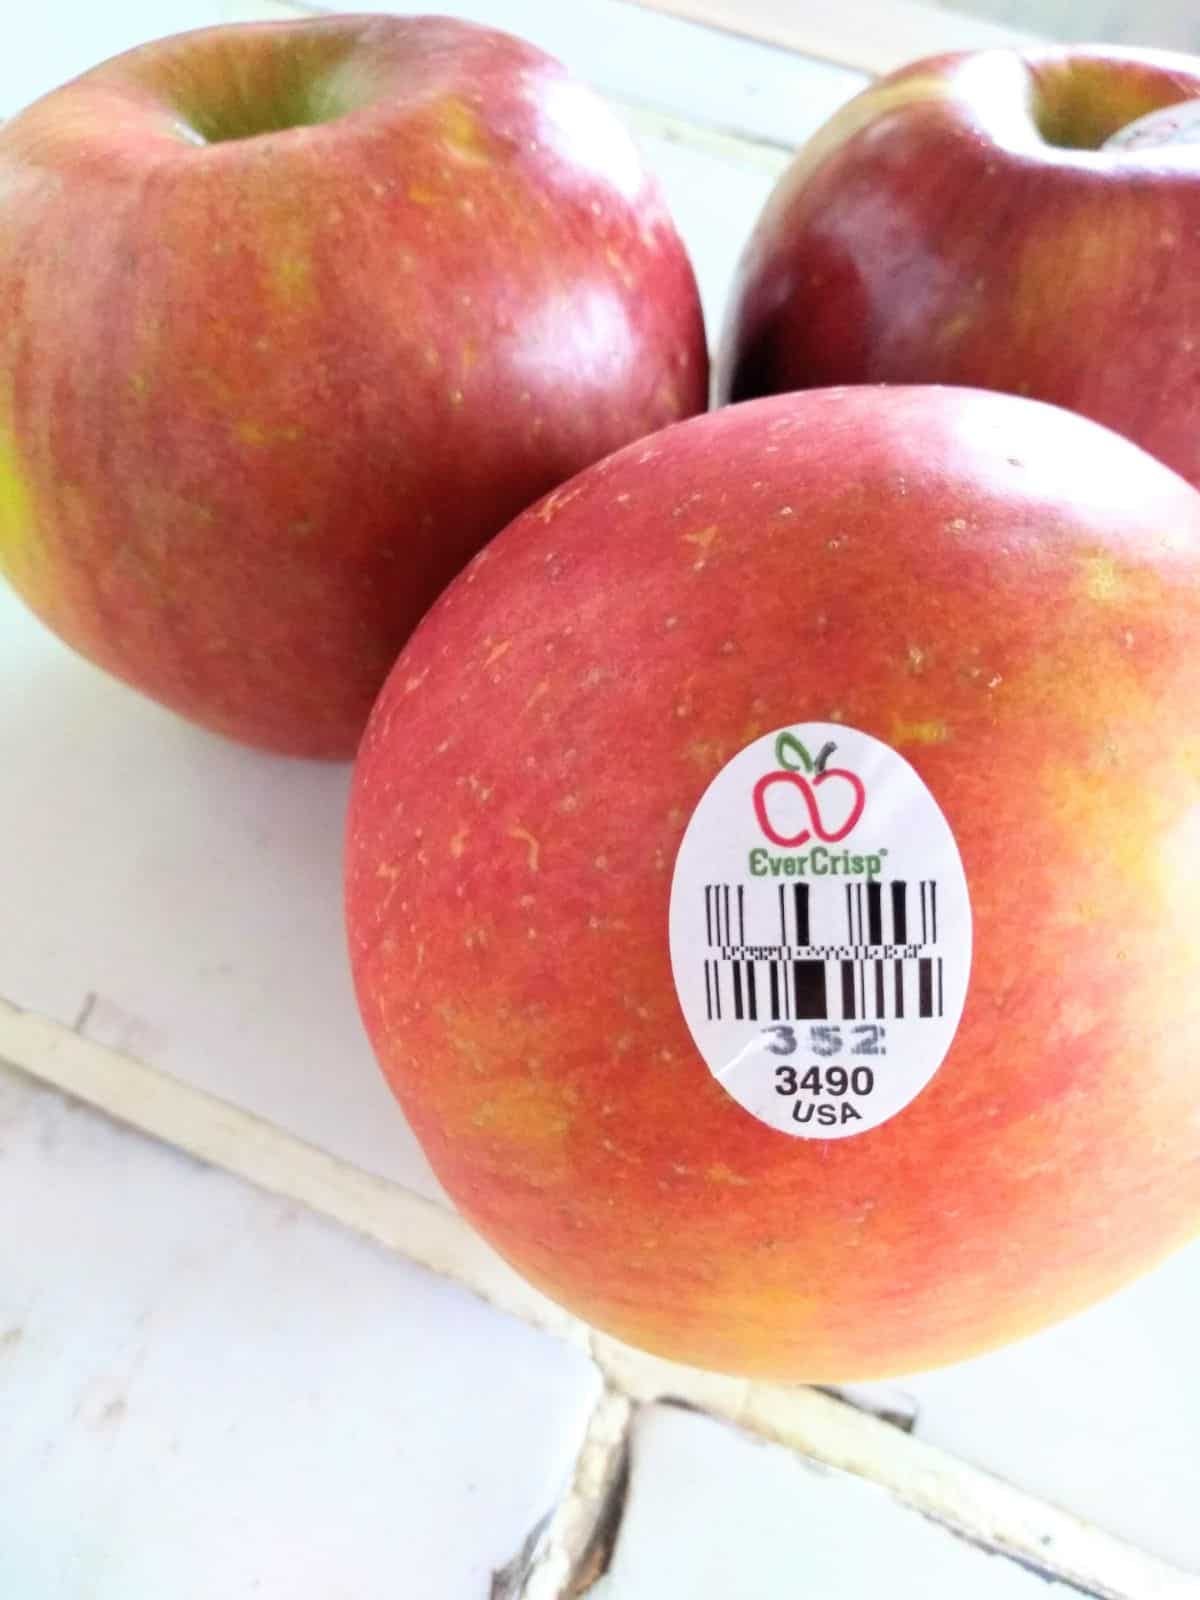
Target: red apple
962 222
1002 594
293 318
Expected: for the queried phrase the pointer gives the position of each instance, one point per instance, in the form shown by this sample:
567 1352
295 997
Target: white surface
206 1393
56 41
194 888
1100 1415
713 1514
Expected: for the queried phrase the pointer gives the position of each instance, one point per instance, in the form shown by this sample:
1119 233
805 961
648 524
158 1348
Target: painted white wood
802 1419
713 1513
205 1391
1101 1415
55 41
868 35
180 898
1162 24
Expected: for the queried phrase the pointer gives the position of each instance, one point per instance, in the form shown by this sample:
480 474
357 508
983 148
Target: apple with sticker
760 1121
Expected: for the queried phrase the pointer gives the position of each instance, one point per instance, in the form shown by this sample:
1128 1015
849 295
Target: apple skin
1009 596
261 397
932 232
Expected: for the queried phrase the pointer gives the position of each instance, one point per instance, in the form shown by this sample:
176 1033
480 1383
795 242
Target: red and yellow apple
293 318
1009 597
974 219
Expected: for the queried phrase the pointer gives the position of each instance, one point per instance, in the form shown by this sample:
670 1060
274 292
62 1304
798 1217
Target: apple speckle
703 539
928 732
1102 581
533 850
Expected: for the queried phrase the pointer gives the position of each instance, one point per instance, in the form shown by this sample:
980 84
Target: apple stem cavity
1084 102
254 84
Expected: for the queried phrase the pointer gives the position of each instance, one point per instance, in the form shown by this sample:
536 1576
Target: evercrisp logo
833 798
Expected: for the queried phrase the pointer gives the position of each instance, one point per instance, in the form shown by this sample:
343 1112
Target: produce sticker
820 930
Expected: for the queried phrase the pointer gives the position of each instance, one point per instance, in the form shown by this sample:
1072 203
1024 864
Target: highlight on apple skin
976 219
293 318
1007 596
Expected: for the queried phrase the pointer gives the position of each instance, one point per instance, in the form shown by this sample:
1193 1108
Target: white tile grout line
574 1550
984 1509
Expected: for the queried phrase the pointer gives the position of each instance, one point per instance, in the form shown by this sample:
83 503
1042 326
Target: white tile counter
204 1390
714 1514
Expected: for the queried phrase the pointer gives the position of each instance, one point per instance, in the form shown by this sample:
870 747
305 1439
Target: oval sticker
820 930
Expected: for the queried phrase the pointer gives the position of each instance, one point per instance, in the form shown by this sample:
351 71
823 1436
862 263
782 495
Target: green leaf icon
790 753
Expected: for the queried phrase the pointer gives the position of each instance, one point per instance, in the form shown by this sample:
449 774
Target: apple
994 606
293 318
977 219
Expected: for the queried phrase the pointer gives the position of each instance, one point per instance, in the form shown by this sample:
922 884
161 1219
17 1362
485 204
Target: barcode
879 971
